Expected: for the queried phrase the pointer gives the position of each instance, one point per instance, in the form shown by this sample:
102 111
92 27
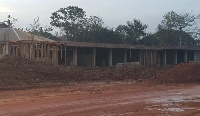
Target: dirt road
103 99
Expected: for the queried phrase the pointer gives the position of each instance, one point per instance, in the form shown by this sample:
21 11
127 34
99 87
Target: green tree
132 32
182 23
168 37
175 21
71 20
92 29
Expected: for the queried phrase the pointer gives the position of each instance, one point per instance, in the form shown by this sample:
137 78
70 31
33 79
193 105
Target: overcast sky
113 12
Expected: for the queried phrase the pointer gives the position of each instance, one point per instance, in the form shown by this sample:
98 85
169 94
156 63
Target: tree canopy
175 21
132 32
168 37
175 29
70 19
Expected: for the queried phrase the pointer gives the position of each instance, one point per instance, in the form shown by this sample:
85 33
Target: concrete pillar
7 48
151 53
185 56
13 50
65 55
110 57
37 52
146 58
55 54
175 57
130 55
140 60
164 57
61 55
27 50
125 56
195 56
75 54
48 51
32 51
21 50
93 57
17 50
42 51
4 49
45 50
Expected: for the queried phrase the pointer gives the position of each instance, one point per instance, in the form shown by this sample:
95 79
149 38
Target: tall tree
132 32
70 19
168 37
91 32
175 21
183 22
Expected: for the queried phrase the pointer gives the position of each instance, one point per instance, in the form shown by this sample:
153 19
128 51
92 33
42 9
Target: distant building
3 25
10 34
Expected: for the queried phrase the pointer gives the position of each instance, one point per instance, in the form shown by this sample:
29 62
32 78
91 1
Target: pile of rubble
15 71
184 73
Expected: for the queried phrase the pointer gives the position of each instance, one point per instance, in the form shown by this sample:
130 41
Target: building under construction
19 43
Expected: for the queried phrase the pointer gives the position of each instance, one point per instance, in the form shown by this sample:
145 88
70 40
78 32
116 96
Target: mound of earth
16 71
182 73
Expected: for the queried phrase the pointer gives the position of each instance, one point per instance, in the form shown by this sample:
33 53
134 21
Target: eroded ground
103 99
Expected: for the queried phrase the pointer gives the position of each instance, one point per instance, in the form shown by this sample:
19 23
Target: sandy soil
103 99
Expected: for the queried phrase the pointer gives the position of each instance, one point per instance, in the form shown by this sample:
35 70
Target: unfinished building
98 54
19 43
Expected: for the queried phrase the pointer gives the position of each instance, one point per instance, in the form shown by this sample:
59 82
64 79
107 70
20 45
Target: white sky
113 12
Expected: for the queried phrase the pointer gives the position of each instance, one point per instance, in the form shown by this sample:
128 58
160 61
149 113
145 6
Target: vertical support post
125 56
110 57
195 56
48 51
93 57
21 50
14 50
140 60
32 51
146 58
45 51
185 56
61 55
55 54
175 57
7 48
165 58
75 53
42 51
151 53
65 56
37 51
130 55
27 51
17 50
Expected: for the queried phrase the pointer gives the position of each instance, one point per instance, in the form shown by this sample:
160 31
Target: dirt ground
30 88
103 99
